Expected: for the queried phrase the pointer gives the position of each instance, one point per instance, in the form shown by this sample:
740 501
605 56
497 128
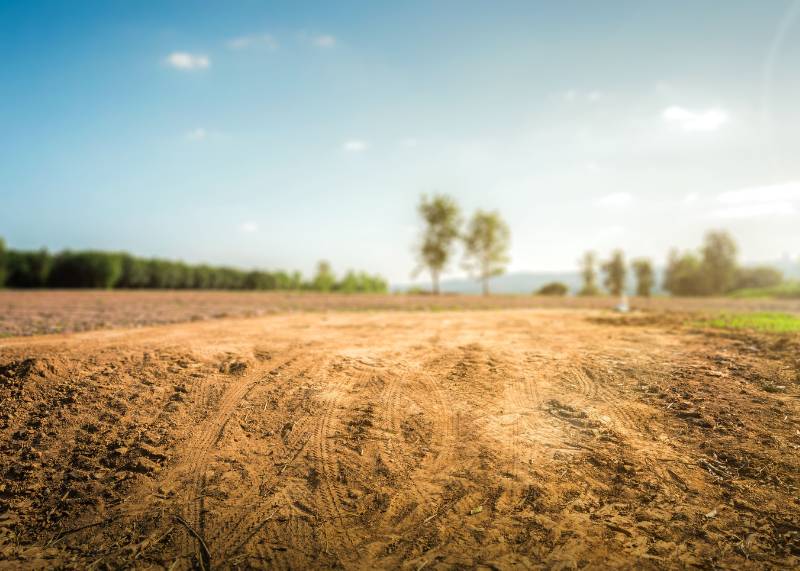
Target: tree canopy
441 217
486 244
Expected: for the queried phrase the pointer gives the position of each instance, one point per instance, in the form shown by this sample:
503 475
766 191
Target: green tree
588 272
684 274
324 279
615 272
28 269
719 262
135 272
486 244
645 278
87 269
442 219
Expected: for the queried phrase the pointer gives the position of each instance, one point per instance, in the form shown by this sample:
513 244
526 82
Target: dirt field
487 439
33 312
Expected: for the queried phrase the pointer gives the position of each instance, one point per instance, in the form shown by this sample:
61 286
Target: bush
553 288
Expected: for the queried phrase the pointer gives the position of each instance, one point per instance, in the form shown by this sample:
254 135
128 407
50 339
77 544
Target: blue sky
274 134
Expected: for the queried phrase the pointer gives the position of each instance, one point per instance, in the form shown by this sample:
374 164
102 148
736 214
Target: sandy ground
34 312
486 439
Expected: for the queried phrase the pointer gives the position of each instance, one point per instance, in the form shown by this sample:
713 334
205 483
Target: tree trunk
485 280
435 280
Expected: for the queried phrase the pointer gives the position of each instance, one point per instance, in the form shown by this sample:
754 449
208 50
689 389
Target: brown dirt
34 312
500 439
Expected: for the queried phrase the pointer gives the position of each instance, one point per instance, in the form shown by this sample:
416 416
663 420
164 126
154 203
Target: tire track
251 512
204 438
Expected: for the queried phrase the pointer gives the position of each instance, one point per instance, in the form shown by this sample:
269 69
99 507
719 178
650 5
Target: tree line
107 270
713 270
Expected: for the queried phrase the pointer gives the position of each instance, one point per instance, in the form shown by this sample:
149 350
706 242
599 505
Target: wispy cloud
615 199
687 120
248 227
355 146
266 41
759 201
188 62
409 142
197 134
324 41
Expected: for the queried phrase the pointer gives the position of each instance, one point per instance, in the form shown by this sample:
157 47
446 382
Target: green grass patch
766 322
788 290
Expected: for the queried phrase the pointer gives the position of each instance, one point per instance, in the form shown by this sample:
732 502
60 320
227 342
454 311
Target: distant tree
441 217
350 283
28 269
135 272
259 280
588 274
684 275
2 262
324 279
645 278
719 262
486 244
553 288
87 269
295 280
757 277
615 272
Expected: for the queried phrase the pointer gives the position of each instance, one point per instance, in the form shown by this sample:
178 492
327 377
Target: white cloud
615 199
355 146
197 134
244 42
760 201
324 41
188 62
248 227
691 198
707 120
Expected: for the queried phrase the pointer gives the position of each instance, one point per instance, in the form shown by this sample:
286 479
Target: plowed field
525 438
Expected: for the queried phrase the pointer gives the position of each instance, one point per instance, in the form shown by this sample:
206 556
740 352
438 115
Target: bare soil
487 439
35 312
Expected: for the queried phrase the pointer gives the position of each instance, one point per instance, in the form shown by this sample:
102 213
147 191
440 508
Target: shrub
758 277
553 288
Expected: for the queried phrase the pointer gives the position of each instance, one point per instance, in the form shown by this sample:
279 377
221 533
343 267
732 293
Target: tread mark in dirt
330 504
202 441
253 510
